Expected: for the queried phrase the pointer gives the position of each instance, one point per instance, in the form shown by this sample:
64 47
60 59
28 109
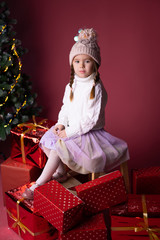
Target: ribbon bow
17 220
20 225
30 127
142 226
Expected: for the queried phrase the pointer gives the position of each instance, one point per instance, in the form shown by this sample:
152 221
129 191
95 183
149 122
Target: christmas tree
17 100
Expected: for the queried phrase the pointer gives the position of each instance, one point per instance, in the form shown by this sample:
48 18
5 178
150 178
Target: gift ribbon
30 126
143 226
20 225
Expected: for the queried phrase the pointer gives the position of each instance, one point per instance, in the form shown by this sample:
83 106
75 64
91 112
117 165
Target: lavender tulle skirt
95 151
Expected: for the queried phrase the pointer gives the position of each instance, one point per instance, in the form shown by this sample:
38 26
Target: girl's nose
82 64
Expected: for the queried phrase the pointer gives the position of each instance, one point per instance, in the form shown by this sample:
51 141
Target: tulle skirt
95 151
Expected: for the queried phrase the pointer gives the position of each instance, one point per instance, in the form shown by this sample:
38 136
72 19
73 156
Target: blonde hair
96 79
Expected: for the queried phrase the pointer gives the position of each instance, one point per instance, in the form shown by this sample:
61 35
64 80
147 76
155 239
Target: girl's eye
76 61
87 61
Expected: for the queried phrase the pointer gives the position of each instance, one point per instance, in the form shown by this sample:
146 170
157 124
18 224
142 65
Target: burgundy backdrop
129 38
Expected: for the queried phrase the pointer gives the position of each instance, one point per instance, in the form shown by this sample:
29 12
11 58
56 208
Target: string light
13 48
19 75
3 27
17 111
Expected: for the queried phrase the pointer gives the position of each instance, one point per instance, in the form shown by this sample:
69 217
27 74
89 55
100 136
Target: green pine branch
17 99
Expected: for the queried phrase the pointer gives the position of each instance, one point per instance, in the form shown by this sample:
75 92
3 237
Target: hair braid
96 79
71 82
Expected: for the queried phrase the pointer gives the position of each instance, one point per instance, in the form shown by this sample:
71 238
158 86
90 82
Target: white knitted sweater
83 114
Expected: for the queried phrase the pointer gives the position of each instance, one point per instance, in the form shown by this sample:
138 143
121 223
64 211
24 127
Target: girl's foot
29 192
59 177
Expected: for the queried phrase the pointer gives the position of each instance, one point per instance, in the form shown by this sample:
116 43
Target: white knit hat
86 44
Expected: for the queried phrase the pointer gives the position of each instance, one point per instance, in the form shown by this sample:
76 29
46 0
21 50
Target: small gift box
92 228
135 227
27 224
25 141
58 205
15 173
145 180
103 192
133 206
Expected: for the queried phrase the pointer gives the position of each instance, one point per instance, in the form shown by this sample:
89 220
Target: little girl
79 140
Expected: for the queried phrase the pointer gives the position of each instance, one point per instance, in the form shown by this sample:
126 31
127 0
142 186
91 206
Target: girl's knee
46 150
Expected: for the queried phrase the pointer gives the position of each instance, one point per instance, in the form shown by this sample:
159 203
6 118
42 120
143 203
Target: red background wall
129 38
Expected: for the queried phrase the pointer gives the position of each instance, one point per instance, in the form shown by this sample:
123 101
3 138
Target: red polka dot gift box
103 192
58 205
92 228
146 180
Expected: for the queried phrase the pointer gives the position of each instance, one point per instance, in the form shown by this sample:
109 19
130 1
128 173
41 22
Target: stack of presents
98 209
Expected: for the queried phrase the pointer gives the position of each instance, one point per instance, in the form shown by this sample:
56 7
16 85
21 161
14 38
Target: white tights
53 165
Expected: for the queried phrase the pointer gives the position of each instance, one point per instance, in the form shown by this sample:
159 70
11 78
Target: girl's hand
62 134
58 128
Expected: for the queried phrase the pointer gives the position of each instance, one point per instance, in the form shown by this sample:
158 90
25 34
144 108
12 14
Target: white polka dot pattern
58 205
103 192
93 228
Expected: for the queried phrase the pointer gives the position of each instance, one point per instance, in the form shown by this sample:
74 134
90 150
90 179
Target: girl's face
83 65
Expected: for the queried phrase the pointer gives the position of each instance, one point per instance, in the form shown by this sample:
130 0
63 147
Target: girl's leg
50 167
60 171
46 151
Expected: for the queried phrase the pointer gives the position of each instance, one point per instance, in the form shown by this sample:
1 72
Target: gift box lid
112 182
35 130
58 195
16 194
107 178
103 192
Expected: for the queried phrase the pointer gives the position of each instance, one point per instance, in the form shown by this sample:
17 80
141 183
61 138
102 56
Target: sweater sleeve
92 112
62 116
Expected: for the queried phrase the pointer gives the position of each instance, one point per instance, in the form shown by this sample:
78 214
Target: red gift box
103 192
133 206
25 142
134 228
27 224
145 180
92 228
15 174
58 205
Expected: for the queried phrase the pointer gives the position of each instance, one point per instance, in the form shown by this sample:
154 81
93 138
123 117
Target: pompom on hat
86 43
